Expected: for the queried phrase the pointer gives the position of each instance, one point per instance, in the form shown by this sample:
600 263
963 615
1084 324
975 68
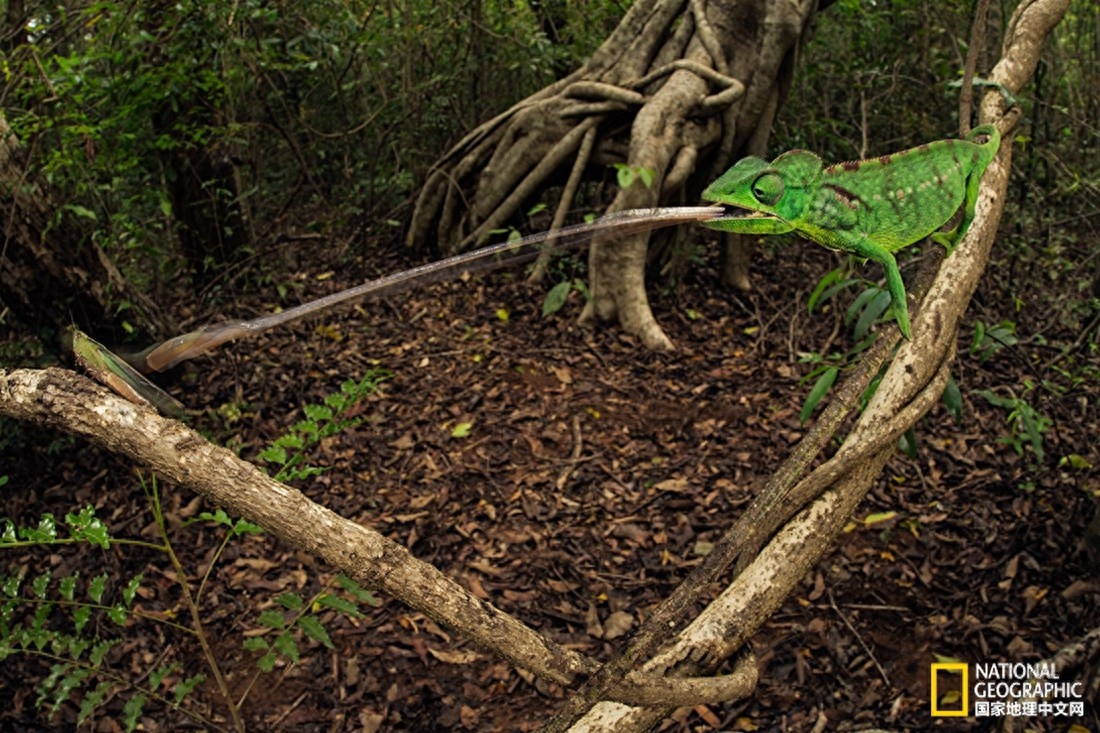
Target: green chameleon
870 208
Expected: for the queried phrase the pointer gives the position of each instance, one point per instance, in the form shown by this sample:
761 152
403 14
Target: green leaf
184 688
315 630
907 443
70 682
243 526
46 531
874 310
97 588
41 584
77 646
556 298
157 675
820 389
979 337
132 710
317 413
286 644
38 624
81 211
131 589
340 604
1033 431
81 616
624 175
860 302
99 652
359 592
272 619
291 601
266 663
952 399
219 517
67 587
462 430
1075 461
118 614
996 400
274 454
830 277
92 700
89 528
255 644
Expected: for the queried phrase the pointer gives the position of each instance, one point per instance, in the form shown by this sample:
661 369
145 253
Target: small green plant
988 341
826 374
868 307
1026 424
558 294
626 175
322 421
78 626
303 618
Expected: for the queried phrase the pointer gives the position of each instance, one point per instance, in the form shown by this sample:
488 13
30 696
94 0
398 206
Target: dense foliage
319 112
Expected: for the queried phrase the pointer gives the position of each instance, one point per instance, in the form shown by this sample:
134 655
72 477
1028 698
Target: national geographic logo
1004 688
953 693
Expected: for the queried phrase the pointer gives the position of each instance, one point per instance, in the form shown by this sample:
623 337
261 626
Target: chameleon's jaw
736 213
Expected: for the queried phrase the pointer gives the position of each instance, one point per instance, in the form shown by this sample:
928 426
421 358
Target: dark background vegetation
232 158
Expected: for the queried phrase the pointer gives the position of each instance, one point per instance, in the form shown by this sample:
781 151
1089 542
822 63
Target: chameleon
870 208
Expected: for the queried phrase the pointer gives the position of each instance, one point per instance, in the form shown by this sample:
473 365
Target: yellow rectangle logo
955 670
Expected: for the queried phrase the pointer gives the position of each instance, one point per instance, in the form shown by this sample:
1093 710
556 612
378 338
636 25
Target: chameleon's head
750 184
767 196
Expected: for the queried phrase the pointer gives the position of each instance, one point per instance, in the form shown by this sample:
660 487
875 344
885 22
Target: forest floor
585 479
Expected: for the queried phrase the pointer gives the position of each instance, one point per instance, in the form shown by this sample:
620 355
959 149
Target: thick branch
66 401
63 400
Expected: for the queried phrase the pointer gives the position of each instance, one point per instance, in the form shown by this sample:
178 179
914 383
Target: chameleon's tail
992 142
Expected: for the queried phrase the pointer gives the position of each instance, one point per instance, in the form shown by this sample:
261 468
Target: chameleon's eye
768 189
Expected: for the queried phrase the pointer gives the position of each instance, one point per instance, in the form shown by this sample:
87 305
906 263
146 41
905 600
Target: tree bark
678 83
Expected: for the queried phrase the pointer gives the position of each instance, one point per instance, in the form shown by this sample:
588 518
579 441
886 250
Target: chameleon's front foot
896 286
902 314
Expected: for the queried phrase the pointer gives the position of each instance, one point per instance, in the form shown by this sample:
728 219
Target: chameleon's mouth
731 212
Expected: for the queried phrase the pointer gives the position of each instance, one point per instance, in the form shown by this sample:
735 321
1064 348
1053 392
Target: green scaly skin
869 208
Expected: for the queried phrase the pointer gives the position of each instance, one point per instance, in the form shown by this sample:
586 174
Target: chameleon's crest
798 168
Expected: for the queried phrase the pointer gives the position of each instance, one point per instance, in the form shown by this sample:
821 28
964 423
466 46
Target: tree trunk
676 84
51 273
201 176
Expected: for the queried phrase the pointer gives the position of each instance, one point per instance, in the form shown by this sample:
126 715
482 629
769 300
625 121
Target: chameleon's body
869 208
